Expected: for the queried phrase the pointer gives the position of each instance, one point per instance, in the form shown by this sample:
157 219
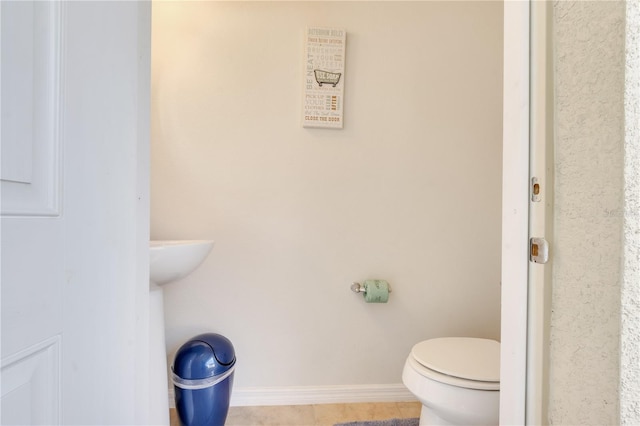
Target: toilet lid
464 357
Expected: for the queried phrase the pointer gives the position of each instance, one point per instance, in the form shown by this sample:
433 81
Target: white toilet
457 380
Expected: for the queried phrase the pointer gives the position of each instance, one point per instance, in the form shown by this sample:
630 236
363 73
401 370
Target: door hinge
538 250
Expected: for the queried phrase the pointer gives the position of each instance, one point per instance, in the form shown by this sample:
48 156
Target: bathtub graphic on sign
327 77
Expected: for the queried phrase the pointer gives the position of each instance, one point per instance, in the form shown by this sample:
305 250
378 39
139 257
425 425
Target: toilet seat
459 361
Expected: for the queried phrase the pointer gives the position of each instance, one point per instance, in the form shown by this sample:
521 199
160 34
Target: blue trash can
202 379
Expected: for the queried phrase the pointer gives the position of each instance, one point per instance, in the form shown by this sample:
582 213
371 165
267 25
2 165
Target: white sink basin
173 260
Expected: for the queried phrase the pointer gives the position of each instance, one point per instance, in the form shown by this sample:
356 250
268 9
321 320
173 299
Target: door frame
541 141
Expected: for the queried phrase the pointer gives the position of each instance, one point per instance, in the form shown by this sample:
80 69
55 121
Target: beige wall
408 191
585 323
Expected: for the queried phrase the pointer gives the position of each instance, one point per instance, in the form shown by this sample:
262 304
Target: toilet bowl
457 380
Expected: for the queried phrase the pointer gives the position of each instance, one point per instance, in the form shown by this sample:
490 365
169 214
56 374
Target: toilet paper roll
376 291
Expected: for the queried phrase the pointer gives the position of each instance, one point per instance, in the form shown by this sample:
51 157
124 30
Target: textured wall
585 323
630 326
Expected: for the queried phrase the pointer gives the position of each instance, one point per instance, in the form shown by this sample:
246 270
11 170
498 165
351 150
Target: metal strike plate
535 190
538 250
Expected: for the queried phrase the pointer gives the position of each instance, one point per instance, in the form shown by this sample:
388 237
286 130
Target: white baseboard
300 395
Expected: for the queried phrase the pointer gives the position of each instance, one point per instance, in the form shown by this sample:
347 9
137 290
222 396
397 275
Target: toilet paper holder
359 288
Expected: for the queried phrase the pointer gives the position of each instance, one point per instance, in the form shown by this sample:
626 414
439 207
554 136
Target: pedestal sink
169 261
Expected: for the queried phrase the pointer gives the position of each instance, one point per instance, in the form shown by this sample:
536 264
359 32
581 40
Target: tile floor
315 415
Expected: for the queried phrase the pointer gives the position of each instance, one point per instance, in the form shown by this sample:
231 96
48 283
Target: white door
74 252
515 178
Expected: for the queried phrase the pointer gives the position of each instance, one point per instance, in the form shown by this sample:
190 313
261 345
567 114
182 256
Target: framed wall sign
323 95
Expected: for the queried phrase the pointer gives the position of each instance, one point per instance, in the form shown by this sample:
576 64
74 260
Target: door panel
31 385
32 229
74 253
31 56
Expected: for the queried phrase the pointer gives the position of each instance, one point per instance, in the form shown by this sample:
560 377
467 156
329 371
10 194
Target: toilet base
429 418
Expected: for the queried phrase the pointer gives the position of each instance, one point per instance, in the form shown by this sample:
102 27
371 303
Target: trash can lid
203 356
